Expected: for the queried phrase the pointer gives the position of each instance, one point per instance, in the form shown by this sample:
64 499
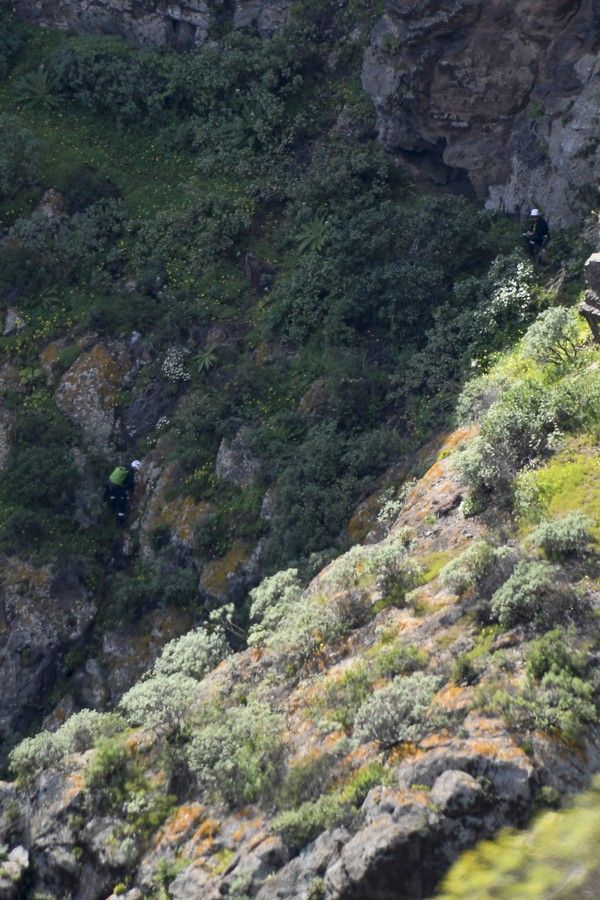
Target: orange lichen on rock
454 697
402 752
180 823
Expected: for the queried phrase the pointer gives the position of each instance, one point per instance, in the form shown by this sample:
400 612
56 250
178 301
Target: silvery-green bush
463 573
398 712
563 537
273 599
239 756
535 594
79 733
160 703
194 654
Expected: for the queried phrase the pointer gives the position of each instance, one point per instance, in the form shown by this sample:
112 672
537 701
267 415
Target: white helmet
535 212
136 464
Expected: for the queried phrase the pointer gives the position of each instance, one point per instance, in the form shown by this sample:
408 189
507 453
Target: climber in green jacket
120 488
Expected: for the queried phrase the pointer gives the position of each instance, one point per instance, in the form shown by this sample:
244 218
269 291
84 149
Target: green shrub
239 756
341 697
463 670
78 248
11 39
34 754
399 712
561 538
107 75
553 337
300 826
161 703
194 654
79 733
398 659
477 396
558 702
534 594
515 431
35 89
271 602
319 620
20 154
106 775
463 574
554 652
307 779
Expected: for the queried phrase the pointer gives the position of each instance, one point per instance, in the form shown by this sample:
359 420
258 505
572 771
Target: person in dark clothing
538 234
120 488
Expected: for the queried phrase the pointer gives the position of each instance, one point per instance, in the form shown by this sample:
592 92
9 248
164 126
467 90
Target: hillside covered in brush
349 627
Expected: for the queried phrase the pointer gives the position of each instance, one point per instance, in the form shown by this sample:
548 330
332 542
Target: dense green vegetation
173 168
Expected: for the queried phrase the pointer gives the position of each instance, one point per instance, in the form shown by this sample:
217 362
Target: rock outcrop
184 24
43 613
88 393
498 98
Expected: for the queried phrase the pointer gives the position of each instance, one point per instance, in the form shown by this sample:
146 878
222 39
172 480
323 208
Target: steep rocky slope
217 262
462 774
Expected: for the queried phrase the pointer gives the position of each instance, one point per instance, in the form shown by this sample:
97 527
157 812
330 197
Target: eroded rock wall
183 25
499 96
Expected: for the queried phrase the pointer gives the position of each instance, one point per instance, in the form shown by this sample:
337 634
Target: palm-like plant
206 360
35 89
311 238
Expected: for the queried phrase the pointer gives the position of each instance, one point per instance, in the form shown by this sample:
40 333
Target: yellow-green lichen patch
433 563
570 481
214 578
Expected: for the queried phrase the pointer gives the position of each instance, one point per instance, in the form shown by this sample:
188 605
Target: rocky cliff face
183 25
498 96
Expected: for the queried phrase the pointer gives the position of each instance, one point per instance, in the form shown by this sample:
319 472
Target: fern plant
311 238
206 360
36 89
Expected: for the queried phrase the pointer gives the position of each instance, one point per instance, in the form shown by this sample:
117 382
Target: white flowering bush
239 757
398 712
79 733
512 296
160 703
553 337
194 654
174 365
273 599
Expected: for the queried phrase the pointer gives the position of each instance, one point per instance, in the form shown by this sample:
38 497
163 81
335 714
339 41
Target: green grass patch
570 481
433 563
